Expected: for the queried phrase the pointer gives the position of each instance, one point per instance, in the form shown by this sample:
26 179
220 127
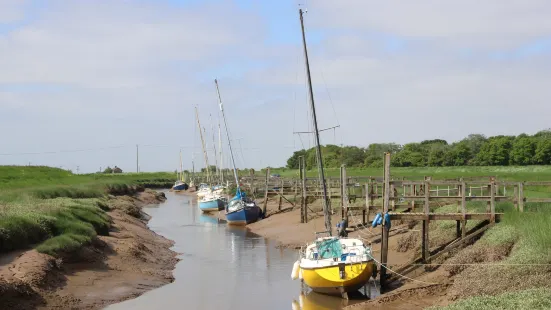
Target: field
509 173
56 211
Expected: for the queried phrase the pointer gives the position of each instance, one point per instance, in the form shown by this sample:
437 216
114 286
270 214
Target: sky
83 82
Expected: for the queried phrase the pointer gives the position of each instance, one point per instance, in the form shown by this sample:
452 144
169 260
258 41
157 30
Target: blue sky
95 75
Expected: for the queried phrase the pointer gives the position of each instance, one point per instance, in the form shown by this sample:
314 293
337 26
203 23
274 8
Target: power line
64 151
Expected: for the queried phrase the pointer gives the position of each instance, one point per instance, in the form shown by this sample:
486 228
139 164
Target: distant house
117 170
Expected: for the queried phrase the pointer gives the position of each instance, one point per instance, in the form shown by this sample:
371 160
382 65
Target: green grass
58 211
50 220
532 299
509 173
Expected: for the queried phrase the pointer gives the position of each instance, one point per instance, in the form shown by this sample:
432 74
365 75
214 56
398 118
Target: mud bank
427 288
128 262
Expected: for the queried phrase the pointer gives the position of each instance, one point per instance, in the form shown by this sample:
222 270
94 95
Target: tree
523 150
353 156
437 154
375 152
543 151
459 154
108 170
293 161
495 152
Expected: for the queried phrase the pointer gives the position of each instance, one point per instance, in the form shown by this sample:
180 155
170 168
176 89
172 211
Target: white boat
204 189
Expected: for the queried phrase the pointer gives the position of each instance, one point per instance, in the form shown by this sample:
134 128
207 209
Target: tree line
474 150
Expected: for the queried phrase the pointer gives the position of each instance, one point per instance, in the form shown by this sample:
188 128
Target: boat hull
180 187
326 280
243 216
212 205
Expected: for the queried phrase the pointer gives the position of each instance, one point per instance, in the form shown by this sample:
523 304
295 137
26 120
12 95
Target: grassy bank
511 173
58 211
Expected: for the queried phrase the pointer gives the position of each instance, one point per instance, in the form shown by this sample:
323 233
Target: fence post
521 196
266 191
385 228
515 196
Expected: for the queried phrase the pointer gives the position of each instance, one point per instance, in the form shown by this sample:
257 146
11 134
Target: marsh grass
58 211
29 223
531 299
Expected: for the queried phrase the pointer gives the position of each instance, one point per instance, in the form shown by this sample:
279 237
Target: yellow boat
336 266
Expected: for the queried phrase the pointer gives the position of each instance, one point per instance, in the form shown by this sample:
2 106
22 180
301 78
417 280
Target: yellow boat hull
327 280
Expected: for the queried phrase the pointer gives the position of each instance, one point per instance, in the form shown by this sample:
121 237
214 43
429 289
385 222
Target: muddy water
223 267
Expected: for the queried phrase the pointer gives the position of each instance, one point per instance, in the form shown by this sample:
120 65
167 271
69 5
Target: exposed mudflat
123 265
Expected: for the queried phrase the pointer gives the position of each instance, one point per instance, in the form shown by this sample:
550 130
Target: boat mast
228 136
213 144
220 149
203 145
318 148
181 167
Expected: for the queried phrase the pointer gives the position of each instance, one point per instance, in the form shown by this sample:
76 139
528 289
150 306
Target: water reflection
308 299
222 267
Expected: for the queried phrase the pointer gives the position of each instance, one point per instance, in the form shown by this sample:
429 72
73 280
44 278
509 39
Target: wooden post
489 203
463 210
425 242
295 185
344 182
385 228
493 202
266 191
393 200
342 191
365 215
515 196
304 190
521 196
371 196
413 193
301 195
281 184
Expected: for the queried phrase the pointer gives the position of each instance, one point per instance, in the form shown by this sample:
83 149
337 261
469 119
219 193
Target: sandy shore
123 265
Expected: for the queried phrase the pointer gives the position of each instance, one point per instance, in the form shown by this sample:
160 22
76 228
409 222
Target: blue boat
212 204
242 211
180 186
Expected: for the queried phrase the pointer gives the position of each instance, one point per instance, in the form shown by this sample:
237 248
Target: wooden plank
538 200
442 216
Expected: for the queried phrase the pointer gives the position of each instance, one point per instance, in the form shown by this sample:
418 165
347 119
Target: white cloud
490 23
126 73
11 11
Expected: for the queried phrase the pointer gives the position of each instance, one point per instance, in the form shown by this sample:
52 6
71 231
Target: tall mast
220 149
203 145
213 144
228 136
318 148
181 167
